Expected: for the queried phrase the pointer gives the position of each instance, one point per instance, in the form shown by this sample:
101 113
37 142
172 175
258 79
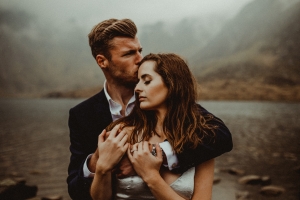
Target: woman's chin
145 107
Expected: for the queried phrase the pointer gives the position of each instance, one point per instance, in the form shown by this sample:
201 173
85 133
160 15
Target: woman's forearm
101 186
204 176
160 189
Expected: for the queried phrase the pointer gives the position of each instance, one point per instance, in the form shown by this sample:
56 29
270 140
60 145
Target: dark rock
14 174
216 180
290 156
297 169
34 198
222 170
36 172
265 180
54 197
16 189
250 179
275 155
272 190
217 170
240 195
235 171
7 182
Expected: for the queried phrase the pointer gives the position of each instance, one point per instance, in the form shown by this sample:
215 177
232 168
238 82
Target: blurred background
244 54
246 49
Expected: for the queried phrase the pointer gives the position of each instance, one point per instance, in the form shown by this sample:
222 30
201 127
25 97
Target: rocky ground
34 149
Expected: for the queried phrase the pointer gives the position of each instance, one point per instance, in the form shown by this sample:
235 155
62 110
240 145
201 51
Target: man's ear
101 61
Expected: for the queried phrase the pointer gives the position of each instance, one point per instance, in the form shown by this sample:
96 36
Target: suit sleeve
209 149
78 185
223 139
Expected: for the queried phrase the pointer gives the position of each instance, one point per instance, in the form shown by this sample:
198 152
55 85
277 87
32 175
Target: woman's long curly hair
183 123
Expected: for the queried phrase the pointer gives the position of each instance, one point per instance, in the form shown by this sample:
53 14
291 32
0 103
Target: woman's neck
161 114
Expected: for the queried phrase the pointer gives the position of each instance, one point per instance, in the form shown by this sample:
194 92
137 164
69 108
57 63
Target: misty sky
88 13
45 47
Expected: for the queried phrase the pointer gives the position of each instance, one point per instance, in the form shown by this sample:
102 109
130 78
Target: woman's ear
101 61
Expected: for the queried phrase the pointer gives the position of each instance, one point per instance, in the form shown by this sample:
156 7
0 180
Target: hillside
38 57
255 56
252 56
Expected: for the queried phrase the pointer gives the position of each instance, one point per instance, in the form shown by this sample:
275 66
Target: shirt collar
115 108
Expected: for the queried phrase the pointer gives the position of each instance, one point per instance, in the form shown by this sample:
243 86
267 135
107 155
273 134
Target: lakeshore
35 140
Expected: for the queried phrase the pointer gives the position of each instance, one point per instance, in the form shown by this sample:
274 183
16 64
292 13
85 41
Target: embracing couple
143 136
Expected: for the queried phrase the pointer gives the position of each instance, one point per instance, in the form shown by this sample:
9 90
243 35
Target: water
34 142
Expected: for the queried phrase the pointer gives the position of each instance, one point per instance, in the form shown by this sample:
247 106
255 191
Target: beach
34 144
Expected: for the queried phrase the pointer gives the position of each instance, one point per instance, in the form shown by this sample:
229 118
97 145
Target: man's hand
91 164
124 168
128 130
111 149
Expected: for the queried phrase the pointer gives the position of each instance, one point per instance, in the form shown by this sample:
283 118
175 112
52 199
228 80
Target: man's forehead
124 43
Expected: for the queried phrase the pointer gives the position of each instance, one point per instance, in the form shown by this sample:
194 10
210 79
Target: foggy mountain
256 52
253 53
38 58
184 37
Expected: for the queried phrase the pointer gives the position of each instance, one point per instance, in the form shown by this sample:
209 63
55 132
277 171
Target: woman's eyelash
146 82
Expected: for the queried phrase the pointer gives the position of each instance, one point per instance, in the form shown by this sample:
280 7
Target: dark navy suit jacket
88 119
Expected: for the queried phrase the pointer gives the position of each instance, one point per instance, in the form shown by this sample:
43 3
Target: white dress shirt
115 110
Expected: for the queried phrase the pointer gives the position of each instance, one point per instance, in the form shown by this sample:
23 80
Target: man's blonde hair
101 35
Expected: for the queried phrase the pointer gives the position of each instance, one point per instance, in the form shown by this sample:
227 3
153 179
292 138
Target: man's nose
139 57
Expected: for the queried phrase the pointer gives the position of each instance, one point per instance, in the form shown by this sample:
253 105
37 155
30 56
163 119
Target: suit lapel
102 109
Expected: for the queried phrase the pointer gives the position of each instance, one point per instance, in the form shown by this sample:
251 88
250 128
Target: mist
44 45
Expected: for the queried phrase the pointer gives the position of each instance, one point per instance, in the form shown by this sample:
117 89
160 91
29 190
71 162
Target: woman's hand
145 164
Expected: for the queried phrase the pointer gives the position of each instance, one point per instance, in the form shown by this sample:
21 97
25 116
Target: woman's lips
142 98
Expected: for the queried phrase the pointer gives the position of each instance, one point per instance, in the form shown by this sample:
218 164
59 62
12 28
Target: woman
166 110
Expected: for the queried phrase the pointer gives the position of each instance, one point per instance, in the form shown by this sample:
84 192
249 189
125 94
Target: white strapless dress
134 188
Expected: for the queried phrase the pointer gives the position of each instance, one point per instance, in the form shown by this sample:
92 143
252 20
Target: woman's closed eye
147 82
146 78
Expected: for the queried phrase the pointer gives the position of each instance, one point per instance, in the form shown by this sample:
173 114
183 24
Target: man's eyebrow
129 51
132 50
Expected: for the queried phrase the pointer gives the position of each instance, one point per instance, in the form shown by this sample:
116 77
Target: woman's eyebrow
145 76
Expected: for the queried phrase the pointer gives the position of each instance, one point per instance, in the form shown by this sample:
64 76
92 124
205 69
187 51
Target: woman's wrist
151 178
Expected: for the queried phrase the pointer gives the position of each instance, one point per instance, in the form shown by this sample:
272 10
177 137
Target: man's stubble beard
124 79
127 83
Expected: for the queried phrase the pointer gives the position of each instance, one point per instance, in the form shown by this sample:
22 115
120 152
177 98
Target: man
117 51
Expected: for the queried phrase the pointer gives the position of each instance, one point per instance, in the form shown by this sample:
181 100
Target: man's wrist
102 169
165 160
86 171
171 157
91 163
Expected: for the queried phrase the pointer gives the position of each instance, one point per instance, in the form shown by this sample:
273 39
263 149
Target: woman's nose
137 88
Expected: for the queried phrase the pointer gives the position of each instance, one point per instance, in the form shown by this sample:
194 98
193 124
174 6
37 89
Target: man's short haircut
101 35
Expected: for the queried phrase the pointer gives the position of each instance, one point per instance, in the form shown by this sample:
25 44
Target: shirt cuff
86 171
170 154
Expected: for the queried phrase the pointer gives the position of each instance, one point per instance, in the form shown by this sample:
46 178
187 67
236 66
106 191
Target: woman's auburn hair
183 124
